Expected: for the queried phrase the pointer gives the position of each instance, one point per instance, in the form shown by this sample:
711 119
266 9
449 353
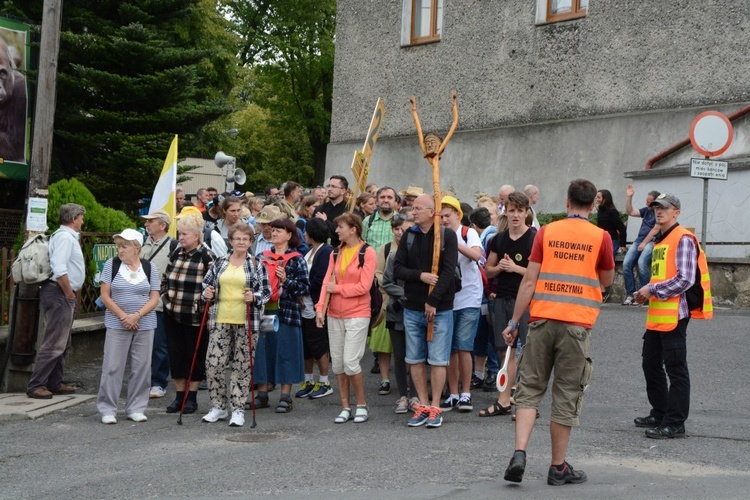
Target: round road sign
711 133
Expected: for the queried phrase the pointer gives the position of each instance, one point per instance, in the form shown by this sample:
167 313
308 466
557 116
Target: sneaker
402 406
489 383
305 389
413 403
321 390
203 386
628 301
109 419
464 404
215 414
476 382
385 388
157 392
421 413
666 432
566 476
137 417
449 403
648 422
516 467
605 297
238 418
435 418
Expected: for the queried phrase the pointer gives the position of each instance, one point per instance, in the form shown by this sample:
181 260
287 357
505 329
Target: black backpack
116 263
376 298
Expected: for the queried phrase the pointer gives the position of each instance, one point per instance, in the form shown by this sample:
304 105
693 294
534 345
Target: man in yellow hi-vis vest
679 289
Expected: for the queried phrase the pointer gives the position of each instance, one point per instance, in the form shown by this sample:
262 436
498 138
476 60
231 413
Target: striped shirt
129 297
181 286
686 260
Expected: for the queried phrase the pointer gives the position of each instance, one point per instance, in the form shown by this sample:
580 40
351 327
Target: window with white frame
551 11
422 21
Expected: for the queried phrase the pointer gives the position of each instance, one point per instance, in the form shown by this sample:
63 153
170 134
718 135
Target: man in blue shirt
640 250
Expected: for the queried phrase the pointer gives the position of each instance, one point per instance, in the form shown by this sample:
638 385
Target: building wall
594 97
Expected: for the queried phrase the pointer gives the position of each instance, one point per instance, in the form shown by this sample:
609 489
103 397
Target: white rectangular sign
36 217
708 169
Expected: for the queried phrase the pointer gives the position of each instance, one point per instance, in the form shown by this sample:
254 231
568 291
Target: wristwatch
512 325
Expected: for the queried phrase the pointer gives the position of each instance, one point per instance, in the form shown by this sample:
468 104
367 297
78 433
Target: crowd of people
286 282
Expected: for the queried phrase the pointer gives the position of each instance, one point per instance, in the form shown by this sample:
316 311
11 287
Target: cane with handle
192 365
502 376
252 370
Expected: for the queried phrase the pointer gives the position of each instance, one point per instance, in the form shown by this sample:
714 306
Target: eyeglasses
334 186
241 240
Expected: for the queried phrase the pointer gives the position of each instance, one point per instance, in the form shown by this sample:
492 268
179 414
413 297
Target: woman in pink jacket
353 268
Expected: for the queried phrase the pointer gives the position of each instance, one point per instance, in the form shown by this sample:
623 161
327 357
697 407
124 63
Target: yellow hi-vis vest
568 285
662 315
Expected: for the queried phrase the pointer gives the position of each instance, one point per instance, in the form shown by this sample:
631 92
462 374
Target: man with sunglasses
338 186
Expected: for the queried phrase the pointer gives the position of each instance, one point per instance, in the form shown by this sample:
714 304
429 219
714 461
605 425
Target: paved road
69 454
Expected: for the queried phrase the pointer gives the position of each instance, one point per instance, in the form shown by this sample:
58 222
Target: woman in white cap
130 292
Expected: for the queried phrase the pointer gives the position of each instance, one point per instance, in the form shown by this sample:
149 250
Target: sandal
344 416
361 414
284 406
259 403
494 410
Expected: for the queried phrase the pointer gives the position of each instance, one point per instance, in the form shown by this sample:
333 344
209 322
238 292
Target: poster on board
15 123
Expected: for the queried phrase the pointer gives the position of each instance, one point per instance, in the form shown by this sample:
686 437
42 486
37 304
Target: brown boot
63 389
39 393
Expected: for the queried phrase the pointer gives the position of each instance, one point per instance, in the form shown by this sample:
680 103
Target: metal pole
705 213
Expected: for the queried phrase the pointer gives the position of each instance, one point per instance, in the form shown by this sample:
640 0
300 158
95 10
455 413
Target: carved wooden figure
432 147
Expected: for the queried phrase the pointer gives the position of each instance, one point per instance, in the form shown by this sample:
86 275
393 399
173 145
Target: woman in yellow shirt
235 281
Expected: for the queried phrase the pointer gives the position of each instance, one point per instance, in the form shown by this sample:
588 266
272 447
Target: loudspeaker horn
222 159
239 176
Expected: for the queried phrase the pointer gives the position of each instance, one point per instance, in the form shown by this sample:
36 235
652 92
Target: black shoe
190 407
375 368
259 403
666 432
175 405
489 383
649 422
566 476
476 382
516 467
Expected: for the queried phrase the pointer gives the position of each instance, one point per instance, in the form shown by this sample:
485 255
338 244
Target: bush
99 219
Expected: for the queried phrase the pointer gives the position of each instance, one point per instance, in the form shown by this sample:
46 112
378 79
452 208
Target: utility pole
25 320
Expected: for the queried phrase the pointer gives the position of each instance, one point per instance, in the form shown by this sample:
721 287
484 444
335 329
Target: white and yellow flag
164 196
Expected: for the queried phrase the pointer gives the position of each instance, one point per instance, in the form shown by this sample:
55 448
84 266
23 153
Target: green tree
289 44
131 75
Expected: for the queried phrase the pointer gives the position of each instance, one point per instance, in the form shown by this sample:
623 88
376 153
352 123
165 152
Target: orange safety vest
567 288
662 315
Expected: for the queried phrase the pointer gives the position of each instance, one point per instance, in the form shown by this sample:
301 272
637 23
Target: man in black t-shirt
507 262
338 186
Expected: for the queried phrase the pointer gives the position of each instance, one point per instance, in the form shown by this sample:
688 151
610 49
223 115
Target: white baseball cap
130 235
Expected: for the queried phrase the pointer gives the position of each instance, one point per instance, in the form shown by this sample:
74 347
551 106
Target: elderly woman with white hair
130 292
181 289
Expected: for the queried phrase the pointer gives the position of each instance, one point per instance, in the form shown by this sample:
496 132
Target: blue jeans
644 266
159 354
464 328
437 352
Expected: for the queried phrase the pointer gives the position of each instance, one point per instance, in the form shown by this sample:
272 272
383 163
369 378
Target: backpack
32 264
485 281
271 261
457 276
376 298
116 263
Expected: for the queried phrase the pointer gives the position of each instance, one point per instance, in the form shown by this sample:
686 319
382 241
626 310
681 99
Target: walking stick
192 365
252 369
432 147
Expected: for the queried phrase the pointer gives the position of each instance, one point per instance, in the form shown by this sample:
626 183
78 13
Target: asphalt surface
303 454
